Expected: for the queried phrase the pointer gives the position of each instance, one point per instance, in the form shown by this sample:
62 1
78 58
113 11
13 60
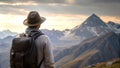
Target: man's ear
38 26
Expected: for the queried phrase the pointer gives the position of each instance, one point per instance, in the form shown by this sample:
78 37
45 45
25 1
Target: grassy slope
115 64
79 59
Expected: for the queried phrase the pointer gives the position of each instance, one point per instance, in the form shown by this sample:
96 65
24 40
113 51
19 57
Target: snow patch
68 36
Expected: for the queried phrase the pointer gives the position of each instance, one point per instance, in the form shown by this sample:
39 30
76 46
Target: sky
59 14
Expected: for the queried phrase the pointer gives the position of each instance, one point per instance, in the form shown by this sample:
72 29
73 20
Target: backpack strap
35 35
39 65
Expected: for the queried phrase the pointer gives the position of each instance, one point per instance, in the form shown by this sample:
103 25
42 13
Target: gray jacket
44 48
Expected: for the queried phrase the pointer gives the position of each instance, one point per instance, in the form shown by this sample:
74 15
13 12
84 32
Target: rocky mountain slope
6 33
90 51
114 26
92 26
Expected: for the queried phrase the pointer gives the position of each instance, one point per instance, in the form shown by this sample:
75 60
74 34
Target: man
34 21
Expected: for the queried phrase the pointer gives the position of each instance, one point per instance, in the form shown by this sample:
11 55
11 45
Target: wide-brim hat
33 19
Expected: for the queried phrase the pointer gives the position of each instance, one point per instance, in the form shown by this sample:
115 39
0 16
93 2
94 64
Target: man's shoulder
43 37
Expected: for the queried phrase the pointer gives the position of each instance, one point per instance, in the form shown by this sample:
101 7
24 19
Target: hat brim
40 22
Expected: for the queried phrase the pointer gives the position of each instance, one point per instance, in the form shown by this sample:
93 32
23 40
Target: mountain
54 35
5 44
6 33
60 38
4 60
114 26
90 51
92 26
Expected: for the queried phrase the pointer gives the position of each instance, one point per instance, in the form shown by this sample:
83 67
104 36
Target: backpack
23 52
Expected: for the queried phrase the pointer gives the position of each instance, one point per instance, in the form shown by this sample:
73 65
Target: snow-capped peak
92 26
94 15
94 20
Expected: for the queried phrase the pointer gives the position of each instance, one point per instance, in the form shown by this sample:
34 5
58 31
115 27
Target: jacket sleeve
48 54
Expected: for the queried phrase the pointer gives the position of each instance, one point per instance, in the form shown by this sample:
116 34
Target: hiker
23 56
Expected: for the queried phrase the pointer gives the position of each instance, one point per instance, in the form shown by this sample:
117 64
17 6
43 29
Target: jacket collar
28 30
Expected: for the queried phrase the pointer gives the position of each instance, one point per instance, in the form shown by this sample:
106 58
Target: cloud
74 7
57 12
107 1
37 1
62 1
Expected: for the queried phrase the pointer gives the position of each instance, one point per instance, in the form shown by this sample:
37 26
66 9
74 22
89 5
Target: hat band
33 21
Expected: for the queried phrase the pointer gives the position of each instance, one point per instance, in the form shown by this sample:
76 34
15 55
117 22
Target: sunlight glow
19 3
53 21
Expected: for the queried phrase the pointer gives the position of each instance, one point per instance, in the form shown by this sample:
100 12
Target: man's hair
32 26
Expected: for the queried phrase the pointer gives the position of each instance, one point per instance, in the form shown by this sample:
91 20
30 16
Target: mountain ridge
92 26
98 49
